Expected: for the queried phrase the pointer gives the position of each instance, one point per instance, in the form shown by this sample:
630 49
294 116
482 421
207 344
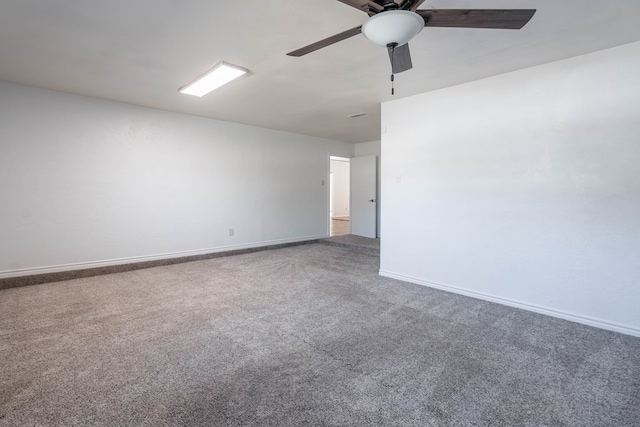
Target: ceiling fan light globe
393 26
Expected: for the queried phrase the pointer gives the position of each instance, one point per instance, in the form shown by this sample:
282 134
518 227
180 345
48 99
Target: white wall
90 181
341 179
522 188
372 148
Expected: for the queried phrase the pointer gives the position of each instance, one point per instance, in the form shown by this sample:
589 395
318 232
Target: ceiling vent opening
358 115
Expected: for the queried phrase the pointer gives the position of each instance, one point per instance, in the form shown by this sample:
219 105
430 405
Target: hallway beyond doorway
339 196
339 227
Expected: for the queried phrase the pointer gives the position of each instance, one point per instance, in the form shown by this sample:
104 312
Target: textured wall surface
87 182
522 188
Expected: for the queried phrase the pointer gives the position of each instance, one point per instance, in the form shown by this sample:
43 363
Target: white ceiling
142 51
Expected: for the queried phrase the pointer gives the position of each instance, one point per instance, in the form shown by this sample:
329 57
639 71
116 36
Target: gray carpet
307 335
354 242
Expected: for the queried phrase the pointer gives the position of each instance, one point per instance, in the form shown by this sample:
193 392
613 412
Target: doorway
339 196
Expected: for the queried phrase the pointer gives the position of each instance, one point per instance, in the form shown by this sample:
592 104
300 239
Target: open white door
363 196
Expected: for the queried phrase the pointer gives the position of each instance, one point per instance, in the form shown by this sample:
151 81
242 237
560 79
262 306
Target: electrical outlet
231 231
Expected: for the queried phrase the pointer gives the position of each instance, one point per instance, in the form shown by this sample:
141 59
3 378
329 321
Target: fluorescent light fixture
219 75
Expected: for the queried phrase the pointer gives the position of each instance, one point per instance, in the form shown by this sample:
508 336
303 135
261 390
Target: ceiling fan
392 23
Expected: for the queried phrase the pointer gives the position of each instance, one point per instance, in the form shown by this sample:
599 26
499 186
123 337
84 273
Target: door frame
328 189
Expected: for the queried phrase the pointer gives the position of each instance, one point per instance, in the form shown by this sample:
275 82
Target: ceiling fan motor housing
393 27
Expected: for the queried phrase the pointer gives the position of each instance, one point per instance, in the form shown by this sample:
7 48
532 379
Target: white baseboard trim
130 260
585 320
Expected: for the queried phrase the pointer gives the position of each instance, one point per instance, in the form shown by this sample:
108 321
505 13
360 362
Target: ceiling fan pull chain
392 50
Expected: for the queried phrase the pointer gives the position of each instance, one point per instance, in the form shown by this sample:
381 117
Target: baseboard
585 320
39 275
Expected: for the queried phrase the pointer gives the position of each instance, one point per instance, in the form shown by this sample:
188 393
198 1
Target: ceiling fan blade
400 58
509 19
326 42
362 4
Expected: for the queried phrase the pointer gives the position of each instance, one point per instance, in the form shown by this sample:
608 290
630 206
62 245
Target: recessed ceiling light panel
219 75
